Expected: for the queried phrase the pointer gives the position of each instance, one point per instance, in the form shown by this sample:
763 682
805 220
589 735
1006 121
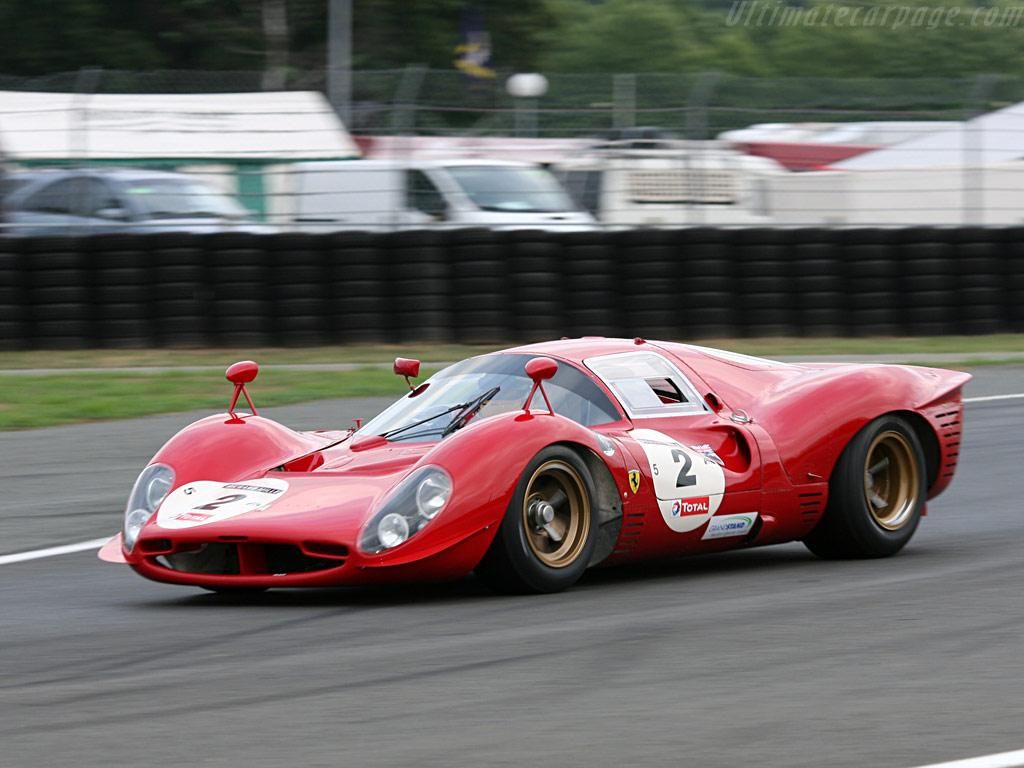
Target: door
702 471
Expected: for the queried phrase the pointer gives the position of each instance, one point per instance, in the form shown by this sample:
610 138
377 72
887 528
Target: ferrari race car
532 464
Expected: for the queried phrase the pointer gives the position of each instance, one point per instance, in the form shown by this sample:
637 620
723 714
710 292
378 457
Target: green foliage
954 38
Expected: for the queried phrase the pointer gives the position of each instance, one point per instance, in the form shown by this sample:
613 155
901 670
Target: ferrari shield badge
634 480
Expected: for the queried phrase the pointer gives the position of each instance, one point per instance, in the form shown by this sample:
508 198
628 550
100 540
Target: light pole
339 58
526 88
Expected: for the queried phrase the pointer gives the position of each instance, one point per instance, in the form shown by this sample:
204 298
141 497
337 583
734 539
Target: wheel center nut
541 513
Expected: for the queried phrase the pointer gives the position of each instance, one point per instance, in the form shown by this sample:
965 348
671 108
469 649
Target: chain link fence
633 150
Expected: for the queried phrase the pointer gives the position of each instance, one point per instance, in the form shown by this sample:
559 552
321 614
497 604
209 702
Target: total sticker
687 485
204 501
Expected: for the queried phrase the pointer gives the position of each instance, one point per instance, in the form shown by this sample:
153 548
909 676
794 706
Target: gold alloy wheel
556 514
892 481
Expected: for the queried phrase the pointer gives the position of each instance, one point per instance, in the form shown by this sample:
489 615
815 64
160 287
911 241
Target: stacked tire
819 283
15 326
764 301
981 280
181 292
356 275
537 288
60 303
705 280
240 313
873 283
929 282
592 303
649 267
478 286
123 292
419 286
298 290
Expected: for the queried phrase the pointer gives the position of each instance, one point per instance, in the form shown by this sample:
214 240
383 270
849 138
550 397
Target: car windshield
161 198
573 394
512 189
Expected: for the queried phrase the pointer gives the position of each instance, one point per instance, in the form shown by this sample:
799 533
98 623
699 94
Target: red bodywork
776 431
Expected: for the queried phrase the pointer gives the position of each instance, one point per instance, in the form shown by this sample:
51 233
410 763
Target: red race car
533 464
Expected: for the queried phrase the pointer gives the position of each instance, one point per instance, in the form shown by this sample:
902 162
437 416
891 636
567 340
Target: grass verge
432 352
40 401
30 400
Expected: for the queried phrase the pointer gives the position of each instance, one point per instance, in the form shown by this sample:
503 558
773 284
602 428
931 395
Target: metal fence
635 150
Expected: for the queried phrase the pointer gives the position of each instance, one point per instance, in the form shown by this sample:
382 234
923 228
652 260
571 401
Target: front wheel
876 494
547 536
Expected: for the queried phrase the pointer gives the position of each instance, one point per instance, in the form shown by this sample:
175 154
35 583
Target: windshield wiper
462 412
468 410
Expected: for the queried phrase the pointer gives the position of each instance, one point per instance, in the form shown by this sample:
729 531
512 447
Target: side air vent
949 427
632 525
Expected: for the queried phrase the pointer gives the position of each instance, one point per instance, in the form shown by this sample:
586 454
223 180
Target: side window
95 196
58 198
423 195
647 384
585 188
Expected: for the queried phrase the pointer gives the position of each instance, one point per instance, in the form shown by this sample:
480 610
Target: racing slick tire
548 534
876 494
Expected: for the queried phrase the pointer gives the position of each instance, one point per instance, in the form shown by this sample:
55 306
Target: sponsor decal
205 502
725 526
193 517
688 483
256 488
705 450
691 507
634 480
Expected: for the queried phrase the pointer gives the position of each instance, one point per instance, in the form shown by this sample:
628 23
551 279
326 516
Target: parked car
86 200
395 194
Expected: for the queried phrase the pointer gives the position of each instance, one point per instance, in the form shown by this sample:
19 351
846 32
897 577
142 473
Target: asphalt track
766 657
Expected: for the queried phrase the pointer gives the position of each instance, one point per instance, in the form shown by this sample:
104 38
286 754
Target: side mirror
407 367
540 369
240 374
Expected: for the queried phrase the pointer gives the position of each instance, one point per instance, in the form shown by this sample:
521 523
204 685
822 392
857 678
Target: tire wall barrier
485 286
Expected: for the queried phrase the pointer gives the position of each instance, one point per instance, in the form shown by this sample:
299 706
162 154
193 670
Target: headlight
150 489
407 510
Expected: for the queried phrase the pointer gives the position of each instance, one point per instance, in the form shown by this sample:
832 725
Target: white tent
992 139
226 127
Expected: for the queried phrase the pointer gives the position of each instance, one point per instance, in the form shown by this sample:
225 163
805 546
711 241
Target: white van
395 194
670 183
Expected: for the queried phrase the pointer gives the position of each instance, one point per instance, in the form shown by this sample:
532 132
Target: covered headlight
154 483
407 510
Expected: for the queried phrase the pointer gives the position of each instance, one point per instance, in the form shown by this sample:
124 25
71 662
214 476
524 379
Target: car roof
116 174
578 350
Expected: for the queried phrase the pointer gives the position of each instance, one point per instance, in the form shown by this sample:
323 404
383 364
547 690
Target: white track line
1001 760
990 398
67 549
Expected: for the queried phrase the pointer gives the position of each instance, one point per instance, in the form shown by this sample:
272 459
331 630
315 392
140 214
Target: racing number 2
231 497
685 478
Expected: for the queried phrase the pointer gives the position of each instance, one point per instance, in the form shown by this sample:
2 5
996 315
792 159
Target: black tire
518 560
854 526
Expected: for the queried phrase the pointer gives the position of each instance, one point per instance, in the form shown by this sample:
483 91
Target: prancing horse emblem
634 480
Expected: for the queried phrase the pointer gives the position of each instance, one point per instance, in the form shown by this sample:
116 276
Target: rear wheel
547 535
876 494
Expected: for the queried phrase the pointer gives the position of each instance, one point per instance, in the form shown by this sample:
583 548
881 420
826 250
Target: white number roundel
203 502
688 484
